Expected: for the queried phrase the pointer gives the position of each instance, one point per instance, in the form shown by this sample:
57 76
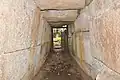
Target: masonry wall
98 49
24 39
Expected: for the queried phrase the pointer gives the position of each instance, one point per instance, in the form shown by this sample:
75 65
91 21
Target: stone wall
98 49
24 39
60 4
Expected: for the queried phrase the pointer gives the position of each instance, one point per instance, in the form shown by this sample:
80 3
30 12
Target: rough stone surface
15 22
22 49
15 65
25 36
107 74
100 46
60 4
15 29
54 16
1 67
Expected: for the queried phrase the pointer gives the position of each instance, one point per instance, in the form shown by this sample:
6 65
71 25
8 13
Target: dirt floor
59 66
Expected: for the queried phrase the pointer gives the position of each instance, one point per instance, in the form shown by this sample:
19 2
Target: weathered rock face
15 22
25 36
99 48
60 4
60 15
25 39
15 29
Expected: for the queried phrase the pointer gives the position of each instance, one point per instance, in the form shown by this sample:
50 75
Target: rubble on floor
59 65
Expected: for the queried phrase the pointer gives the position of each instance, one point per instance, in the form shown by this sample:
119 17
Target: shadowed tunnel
59 63
59 39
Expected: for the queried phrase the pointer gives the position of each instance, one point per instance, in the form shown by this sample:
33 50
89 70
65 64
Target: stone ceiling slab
56 16
60 4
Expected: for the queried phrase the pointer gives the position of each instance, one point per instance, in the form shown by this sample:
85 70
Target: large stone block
66 15
60 4
101 17
15 22
107 74
16 65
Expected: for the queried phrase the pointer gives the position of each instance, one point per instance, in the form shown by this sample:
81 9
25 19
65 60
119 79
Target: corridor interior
59 64
59 40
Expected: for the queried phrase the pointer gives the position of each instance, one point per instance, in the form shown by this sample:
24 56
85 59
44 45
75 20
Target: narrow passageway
59 66
59 40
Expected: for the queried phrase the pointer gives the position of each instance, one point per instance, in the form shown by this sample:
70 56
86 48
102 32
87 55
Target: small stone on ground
59 66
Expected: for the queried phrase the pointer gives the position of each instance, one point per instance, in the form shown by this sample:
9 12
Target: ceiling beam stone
60 4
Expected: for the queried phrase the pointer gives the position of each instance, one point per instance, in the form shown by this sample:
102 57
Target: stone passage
59 66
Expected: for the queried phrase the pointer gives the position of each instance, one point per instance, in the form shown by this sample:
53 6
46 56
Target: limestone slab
60 4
